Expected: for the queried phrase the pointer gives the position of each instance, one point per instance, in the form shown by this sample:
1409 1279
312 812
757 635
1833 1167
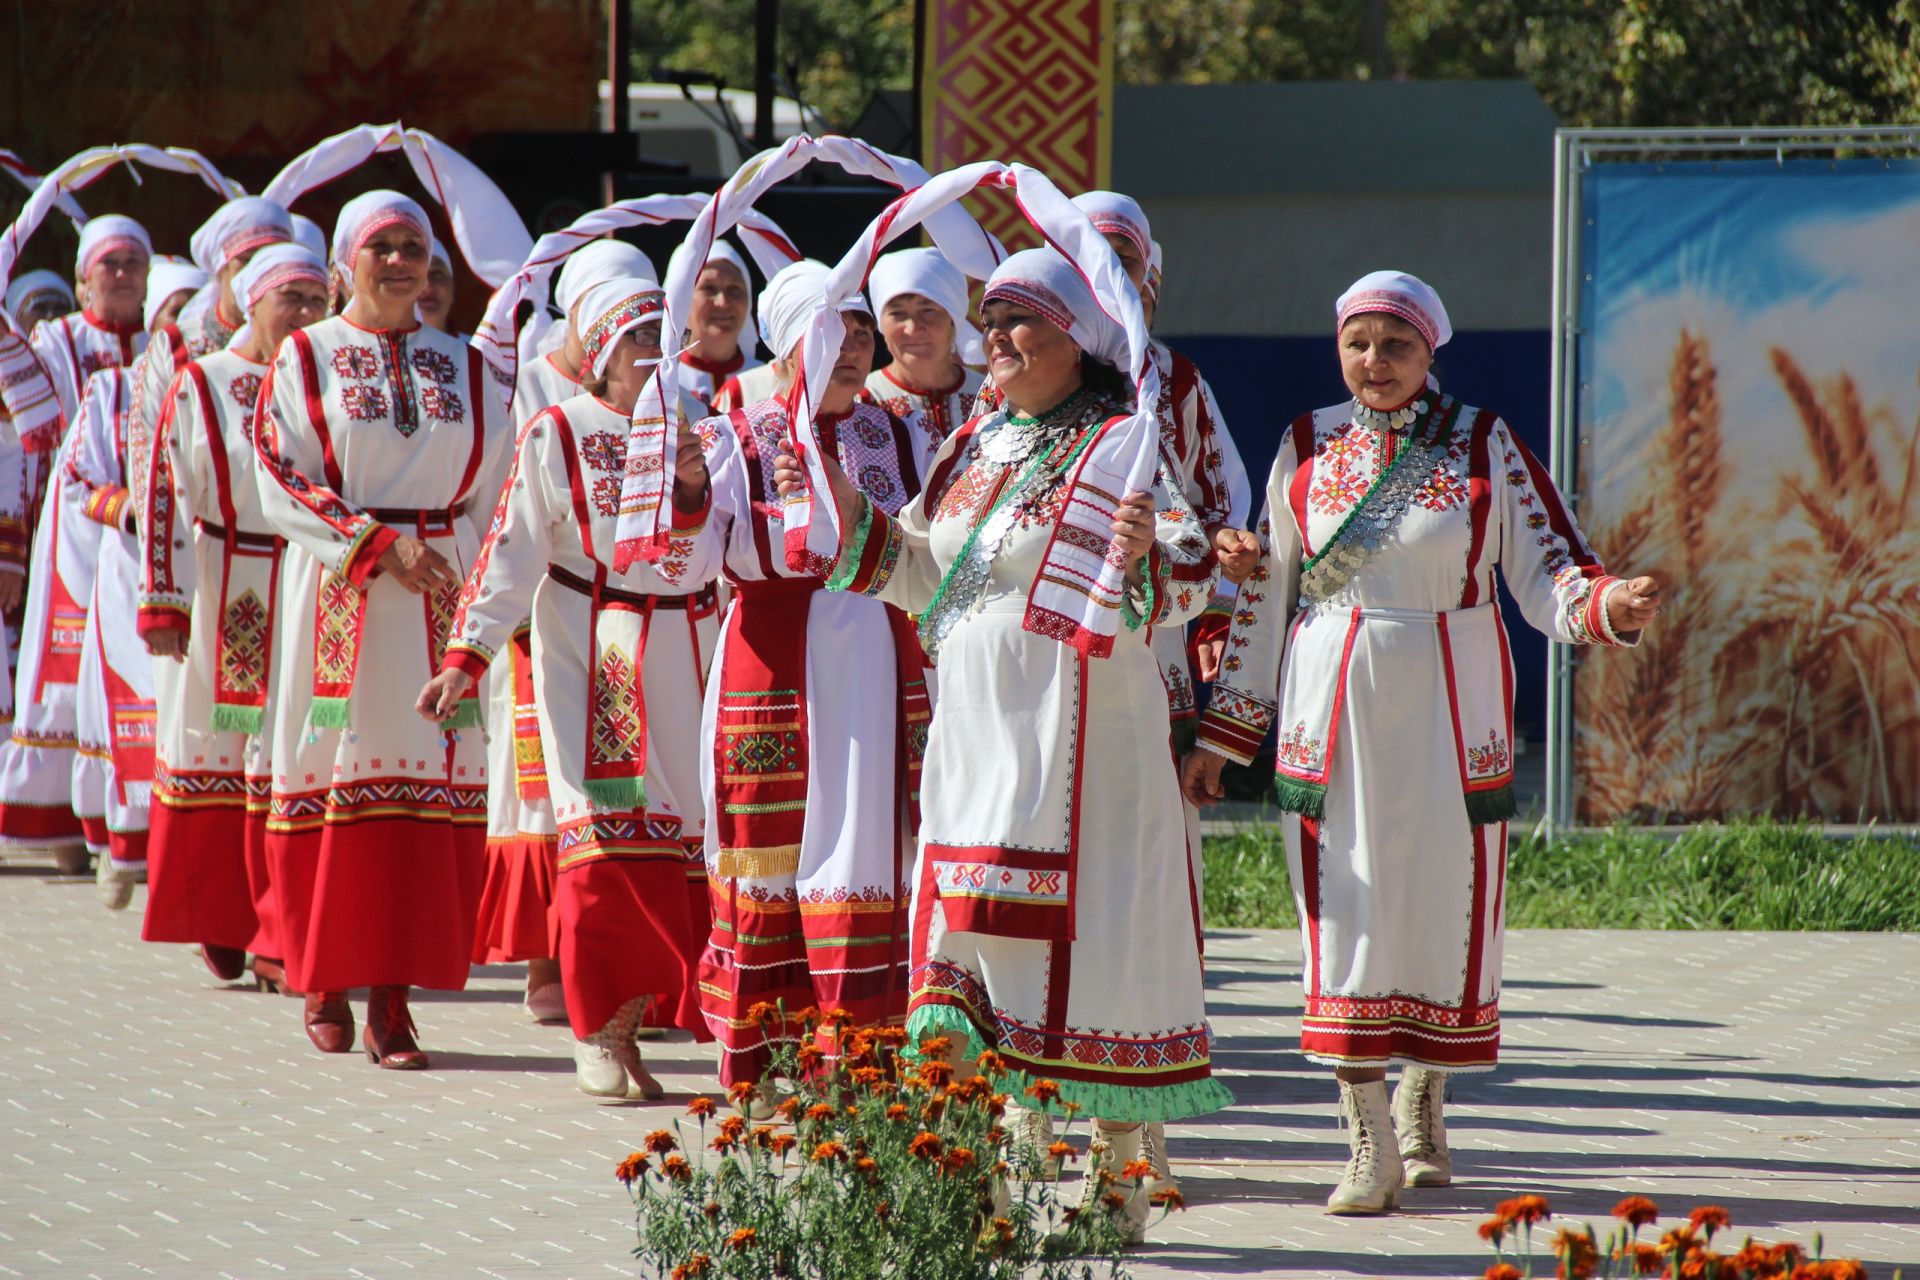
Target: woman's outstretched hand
1200 777
1632 605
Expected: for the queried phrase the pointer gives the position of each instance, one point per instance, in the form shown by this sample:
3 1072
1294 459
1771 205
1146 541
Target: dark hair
1099 376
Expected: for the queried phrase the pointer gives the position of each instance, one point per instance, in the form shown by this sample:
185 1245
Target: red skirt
516 919
378 902
632 927
198 889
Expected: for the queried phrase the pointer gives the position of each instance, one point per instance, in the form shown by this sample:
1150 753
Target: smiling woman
379 449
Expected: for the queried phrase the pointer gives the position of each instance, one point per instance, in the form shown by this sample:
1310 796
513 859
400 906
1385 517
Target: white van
710 131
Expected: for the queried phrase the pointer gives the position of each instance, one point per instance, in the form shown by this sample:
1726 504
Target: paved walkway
158 1124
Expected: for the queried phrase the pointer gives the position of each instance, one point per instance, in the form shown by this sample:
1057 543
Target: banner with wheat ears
1750 435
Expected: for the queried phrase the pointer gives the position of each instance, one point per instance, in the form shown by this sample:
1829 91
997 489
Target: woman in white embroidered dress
811 730
517 920
36 763
722 337
1370 639
211 614
1055 919
619 667
920 300
379 453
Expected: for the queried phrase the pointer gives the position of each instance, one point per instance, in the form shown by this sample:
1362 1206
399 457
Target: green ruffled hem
1126 1104
328 713
466 715
616 793
230 718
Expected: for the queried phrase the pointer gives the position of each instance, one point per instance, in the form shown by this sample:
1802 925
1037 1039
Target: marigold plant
886 1168
1684 1252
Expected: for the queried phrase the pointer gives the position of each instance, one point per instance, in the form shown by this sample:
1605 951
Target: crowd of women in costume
366 647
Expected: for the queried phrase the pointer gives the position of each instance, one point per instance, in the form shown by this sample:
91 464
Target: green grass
1747 875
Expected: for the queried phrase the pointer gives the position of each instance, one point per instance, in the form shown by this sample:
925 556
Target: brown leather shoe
225 963
329 1021
271 975
390 1031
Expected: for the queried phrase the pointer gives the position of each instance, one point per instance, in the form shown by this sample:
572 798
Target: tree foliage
1645 63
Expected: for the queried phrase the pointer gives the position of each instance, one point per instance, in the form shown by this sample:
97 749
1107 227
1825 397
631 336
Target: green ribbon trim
1309 799
1016 489
230 718
853 550
1487 807
616 793
1126 1104
328 713
466 715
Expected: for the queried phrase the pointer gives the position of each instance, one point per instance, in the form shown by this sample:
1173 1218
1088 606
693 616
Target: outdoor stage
157 1124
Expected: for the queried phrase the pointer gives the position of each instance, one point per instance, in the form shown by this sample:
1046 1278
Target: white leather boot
1114 1150
595 1073
1374 1175
1153 1147
1422 1126
1032 1130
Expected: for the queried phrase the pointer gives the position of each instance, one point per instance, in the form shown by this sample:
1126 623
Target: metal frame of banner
1575 152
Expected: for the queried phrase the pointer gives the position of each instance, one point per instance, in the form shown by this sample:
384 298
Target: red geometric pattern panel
1019 80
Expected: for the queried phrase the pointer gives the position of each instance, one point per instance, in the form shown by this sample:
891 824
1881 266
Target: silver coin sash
1369 525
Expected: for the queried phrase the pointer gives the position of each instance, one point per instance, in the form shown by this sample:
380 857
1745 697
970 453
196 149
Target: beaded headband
630 311
1032 294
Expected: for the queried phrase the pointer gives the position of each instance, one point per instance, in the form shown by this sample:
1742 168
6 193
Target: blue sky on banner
1819 258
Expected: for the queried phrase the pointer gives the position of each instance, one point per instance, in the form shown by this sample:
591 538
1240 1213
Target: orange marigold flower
820 1111
762 1136
868 1075
934 1109
997 1104
926 1145
1137 1169
1524 1209
1503 1271
702 1107
1649 1259
631 1169
1637 1211
935 1075
892 1037
693 1268
733 1126
808 1057
742 1240
836 1016
1578 1257
1679 1242
1702 1264
1494 1230
1709 1218
959 1158
829 1151
744 1091
1114 1200
1043 1091
711 1209
936 1047
762 1012
676 1168
1071 1108
781 1143
1785 1254
1062 1151
1168 1198
866 1164
808 1016
661 1141
992 1063
788 1109
1843 1269
898 1111
724 1142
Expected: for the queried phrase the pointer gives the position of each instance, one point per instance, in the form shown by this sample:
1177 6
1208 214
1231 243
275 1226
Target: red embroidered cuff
879 555
1234 739
160 617
460 658
363 560
695 520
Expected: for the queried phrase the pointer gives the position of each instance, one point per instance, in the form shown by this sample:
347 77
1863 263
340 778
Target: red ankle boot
390 1031
329 1021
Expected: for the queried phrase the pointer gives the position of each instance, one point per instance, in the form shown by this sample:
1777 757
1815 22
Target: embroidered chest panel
1348 458
866 442
399 378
